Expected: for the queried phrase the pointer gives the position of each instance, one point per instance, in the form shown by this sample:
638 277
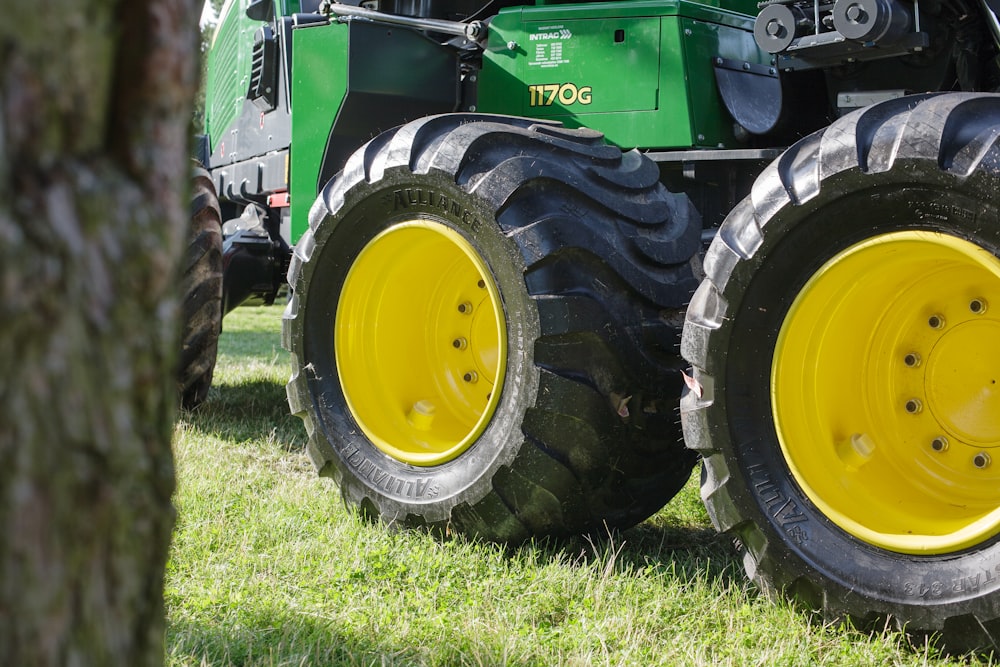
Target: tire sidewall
365 471
799 540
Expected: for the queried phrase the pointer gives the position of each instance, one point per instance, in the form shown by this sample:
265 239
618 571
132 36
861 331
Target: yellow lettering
553 90
546 94
567 93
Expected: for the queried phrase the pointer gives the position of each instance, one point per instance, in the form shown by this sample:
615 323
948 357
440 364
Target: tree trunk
94 131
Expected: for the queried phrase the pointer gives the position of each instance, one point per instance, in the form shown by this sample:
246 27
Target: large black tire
589 263
845 398
201 293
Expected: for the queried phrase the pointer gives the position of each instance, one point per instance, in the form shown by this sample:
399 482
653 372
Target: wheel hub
885 396
420 340
961 382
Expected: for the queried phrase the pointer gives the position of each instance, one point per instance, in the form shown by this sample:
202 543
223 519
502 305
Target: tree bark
95 100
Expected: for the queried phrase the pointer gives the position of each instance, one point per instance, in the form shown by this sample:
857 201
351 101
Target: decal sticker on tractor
558 32
549 47
547 94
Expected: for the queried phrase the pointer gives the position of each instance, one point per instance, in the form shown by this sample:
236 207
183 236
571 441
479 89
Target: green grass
268 568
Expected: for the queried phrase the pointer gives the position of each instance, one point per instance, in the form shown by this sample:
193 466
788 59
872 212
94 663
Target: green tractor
543 258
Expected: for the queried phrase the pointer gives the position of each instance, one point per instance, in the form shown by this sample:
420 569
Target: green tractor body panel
664 76
228 63
640 72
347 86
319 86
229 68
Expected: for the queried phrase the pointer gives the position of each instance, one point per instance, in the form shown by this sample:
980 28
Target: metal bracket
751 92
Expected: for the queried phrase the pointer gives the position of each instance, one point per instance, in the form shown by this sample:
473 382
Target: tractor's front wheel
482 329
847 370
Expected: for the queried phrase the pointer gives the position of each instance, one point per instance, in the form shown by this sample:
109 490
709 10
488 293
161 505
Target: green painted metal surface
228 69
229 65
319 83
641 71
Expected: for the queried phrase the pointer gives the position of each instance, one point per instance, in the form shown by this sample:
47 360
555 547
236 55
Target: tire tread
937 136
201 293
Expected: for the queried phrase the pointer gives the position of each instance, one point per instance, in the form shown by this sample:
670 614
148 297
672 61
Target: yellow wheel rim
885 392
420 339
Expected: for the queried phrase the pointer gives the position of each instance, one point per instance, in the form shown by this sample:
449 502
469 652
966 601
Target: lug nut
935 321
465 308
912 360
481 284
981 460
471 376
460 343
939 444
914 406
978 306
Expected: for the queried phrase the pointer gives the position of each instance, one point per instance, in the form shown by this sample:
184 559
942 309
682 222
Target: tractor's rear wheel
201 293
484 329
847 373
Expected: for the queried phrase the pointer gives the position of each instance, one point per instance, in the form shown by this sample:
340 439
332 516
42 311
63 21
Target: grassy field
268 568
